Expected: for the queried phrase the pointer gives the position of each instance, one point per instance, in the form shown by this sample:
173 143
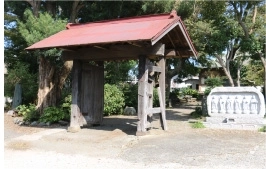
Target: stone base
236 120
73 129
235 123
233 126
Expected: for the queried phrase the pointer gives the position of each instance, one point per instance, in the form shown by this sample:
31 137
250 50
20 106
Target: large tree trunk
238 76
51 81
77 5
47 87
51 7
170 73
35 6
226 70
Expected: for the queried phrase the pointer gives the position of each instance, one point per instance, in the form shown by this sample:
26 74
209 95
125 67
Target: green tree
52 72
112 68
47 62
20 64
228 31
254 74
20 75
15 44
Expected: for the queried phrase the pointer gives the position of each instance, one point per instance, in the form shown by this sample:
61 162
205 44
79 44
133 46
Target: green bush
29 113
20 74
207 91
262 129
191 92
52 114
197 113
176 92
130 92
113 100
156 102
66 107
212 83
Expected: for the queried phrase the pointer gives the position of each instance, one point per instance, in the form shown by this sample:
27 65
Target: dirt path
114 145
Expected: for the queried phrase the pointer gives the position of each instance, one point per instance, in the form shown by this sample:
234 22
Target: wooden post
142 96
151 82
162 92
75 106
150 103
162 77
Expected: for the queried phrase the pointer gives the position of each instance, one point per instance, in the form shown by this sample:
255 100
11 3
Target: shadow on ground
128 124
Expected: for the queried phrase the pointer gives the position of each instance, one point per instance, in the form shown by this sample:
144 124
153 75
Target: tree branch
262 59
239 18
30 2
253 19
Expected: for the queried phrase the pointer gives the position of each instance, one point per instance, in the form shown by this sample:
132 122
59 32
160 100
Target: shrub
113 100
212 83
29 113
197 113
130 92
262 129
66 107
207 91
52 114
20 73
156 102
176 92
191 92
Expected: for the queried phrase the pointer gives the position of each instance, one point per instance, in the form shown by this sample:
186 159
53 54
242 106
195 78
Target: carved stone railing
236 105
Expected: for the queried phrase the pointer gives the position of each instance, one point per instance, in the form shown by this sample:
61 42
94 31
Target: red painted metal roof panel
111 31
104 33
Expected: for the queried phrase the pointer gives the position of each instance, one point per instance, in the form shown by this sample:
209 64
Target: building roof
166 28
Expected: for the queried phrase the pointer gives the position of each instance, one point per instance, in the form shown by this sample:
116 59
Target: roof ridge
125 20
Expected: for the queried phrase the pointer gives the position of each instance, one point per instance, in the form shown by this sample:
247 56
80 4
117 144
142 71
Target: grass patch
262 129
197 125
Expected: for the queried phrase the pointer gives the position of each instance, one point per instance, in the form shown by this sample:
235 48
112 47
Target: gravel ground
114 145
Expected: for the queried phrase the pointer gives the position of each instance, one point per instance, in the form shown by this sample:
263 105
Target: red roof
149 28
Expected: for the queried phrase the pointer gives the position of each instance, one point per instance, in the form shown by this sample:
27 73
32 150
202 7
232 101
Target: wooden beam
177 35
134 44
154 69
169 37
100 47
116 51
154 110
169 53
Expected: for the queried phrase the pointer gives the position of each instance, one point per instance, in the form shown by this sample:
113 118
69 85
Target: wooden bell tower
147 81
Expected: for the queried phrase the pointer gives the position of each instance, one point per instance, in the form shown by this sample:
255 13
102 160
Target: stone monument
236 108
